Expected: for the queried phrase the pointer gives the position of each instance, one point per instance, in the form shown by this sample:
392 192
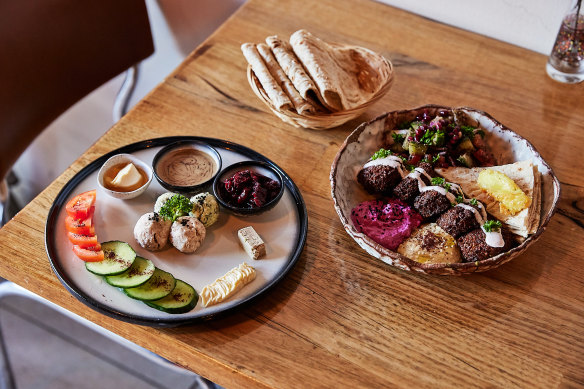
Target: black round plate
102 307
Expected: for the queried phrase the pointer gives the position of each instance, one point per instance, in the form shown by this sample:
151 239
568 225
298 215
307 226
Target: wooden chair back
54 53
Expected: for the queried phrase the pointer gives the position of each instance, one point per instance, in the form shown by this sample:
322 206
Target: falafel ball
379 179
151 231
458 221
163 198
205 208
431 204
187 234
407 190
474 247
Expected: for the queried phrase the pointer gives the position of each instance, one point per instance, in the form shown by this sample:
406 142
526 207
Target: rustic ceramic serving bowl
124 158
506 145
327 121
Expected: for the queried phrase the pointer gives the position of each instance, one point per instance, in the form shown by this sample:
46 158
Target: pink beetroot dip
387 222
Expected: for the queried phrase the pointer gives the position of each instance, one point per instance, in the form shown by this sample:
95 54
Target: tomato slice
83 241
81 206
88 255
80 227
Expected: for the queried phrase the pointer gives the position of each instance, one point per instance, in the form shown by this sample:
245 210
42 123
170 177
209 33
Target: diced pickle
417 148
465 145
466 160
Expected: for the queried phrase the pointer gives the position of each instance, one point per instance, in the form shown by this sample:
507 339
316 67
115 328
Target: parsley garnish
492 225
397 138
459 199
474 202
467 131
439 181
433 161
404 125
381 153
175 207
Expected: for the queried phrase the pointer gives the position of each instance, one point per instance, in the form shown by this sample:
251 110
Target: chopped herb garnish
381 153
435 159
404 125
474 202
492 225
175 207
397 138
439 181
467 131
459 199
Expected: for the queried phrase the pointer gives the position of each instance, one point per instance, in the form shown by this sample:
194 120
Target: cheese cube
252 243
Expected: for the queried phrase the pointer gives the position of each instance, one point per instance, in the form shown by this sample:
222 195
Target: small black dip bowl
189 151
248 207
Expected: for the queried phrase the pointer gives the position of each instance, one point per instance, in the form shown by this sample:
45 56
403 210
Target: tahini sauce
186 167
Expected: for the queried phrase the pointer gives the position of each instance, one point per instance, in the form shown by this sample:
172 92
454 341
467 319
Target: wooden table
342 318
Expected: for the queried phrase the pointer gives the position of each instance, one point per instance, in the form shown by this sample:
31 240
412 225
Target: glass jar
566 61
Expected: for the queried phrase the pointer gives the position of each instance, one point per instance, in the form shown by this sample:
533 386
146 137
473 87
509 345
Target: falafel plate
442 190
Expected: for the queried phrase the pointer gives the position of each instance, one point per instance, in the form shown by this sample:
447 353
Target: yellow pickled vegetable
511 198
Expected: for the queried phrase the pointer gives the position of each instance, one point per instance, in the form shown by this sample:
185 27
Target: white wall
532 24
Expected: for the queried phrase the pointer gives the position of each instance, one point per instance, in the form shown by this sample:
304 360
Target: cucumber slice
118 257
140 272
158 286
182 299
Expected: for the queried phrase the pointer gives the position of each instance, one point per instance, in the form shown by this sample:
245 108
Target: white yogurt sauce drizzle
493 238
390 160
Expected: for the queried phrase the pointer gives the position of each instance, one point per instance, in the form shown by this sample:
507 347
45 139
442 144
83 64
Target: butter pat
227 285
252 243
128 176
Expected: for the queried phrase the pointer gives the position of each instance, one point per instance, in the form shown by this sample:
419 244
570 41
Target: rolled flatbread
526 176
300 105
293 68
273 90
344 77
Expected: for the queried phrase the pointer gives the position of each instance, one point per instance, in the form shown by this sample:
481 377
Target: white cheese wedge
252 243
227 285
128 176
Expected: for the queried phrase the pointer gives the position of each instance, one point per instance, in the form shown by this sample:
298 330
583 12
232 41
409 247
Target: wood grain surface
342 318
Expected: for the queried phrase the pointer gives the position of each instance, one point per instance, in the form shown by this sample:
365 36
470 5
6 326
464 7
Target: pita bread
273 90
300 105
525 175
294 70
343 75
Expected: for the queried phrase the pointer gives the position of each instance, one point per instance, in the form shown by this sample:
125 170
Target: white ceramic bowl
121 158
